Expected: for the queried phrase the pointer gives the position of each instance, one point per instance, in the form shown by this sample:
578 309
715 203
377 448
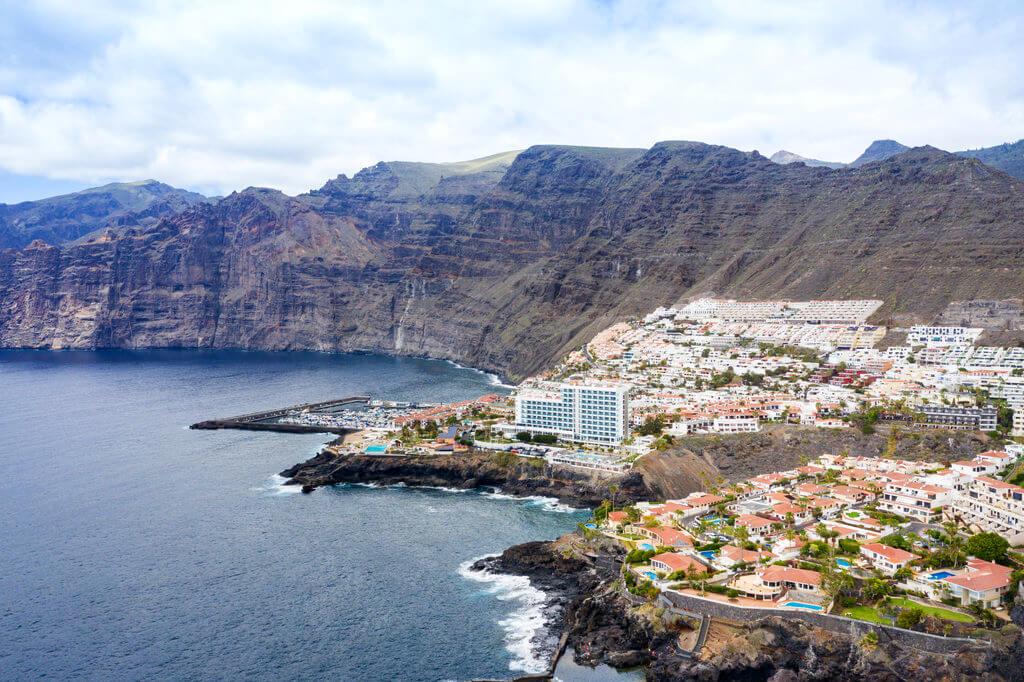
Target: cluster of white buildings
782 511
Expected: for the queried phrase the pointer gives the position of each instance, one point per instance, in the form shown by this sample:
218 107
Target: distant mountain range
1006 157
67 217
507 261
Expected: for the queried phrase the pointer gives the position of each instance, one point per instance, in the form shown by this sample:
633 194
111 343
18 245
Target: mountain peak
879 150
783 157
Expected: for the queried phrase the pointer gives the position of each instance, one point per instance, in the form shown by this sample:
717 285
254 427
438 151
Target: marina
339 416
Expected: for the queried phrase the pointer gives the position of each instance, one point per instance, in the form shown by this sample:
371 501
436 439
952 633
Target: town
878 539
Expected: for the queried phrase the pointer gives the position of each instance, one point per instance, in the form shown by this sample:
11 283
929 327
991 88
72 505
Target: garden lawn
933 610
867 613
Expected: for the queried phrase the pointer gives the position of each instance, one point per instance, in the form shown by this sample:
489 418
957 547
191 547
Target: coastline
574 487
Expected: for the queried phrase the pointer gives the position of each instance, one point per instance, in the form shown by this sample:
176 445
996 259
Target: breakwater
264 421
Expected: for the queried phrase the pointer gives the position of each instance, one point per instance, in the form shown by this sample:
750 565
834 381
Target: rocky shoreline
602 627
523 478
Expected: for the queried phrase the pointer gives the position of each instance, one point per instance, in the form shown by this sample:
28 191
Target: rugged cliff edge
524 477
603 627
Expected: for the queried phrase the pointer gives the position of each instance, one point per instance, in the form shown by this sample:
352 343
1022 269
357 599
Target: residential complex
584 413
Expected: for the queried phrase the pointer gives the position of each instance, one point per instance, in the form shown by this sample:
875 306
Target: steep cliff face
505 262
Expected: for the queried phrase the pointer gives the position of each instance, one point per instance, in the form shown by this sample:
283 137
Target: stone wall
856 629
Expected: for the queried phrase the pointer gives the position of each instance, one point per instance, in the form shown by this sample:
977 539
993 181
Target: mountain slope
1007 157
506 273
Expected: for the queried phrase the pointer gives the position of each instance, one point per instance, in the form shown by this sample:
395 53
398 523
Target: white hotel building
586 413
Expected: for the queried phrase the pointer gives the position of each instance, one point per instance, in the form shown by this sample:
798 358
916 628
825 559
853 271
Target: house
779 511
825 505
670 562
983 581
810 489
615 518
730 555
670 537
759 528
886 559
849 494
793 578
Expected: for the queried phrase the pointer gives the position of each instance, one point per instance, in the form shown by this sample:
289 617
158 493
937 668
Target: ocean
135 548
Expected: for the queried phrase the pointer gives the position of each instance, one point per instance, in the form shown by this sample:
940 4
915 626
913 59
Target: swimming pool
844 563
592 526
376 448
645 546
713 519
708 554
801 605
651 575
940 575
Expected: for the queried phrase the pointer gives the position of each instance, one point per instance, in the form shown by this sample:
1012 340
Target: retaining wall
855 628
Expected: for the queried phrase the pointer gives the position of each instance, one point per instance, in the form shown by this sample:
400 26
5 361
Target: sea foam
523 625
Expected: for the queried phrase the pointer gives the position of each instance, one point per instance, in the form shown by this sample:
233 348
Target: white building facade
585 413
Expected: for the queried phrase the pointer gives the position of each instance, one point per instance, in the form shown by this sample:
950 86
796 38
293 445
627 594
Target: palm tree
613 489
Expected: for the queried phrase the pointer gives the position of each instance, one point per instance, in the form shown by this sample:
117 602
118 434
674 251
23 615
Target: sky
219 96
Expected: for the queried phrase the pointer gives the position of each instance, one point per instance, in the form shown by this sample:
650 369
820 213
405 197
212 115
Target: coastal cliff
524 477
506 264
604 627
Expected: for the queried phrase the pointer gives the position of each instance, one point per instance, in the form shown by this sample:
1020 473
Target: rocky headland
521 476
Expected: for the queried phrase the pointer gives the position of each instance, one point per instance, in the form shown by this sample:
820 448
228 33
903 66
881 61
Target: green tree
987 546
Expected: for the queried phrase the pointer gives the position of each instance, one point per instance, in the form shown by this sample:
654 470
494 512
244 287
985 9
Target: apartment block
585 413
991 506
914 499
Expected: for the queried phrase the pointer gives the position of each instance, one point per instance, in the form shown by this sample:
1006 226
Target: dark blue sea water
134 548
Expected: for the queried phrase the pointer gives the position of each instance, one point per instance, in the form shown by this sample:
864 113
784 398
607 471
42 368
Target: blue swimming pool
645 546
844 563
713 519
377 448
590 525
708 554
801 605
651 575
940 575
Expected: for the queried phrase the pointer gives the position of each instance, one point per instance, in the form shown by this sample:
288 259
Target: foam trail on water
275 485
522 625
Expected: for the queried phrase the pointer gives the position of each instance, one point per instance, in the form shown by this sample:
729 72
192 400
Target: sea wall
856 629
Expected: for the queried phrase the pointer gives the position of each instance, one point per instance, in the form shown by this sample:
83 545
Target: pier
263 421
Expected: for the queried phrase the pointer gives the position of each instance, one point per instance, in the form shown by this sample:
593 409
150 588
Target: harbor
339 416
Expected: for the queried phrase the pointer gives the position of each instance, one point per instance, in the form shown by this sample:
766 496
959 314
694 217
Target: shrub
870 639
545 438
732 594
505 459
908 618
524 436
849 545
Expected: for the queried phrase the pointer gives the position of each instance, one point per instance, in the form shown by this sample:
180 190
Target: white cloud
224 95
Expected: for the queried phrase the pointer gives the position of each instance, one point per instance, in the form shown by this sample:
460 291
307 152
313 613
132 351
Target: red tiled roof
678 562
793 575
893 554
